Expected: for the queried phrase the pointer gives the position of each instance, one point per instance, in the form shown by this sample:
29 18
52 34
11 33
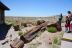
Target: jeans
66 30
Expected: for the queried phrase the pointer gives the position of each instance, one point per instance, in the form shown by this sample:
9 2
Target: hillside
32 19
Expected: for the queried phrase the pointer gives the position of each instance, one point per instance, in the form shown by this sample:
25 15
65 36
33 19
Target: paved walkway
66 44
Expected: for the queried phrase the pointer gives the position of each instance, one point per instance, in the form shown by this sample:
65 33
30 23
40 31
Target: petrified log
40 22
52 25
58 28
16 27
57 25
43 29
31 35
24 24
18 43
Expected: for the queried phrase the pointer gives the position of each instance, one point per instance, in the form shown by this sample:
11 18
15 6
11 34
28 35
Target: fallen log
40 22
31 35
57 25
16 27
18 43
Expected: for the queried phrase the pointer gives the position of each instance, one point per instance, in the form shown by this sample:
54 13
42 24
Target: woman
70 19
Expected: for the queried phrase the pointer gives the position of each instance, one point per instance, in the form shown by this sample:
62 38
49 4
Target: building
2 12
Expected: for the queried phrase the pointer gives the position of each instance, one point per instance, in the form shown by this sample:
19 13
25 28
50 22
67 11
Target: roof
2 6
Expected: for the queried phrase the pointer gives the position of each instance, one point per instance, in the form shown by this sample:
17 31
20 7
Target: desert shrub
55 41
20 33
52 29
62 33
16 26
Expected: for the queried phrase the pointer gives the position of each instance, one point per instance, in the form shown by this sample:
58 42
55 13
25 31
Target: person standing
67 24
59 22
70 19
60 18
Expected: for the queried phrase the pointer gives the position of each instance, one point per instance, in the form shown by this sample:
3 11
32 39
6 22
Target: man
59 22
60 18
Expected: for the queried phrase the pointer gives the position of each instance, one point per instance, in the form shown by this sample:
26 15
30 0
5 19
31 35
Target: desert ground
44 39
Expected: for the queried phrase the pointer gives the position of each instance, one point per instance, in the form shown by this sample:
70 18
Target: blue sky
37 7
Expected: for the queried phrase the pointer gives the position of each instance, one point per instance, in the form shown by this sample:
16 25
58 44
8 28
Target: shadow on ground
4 30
